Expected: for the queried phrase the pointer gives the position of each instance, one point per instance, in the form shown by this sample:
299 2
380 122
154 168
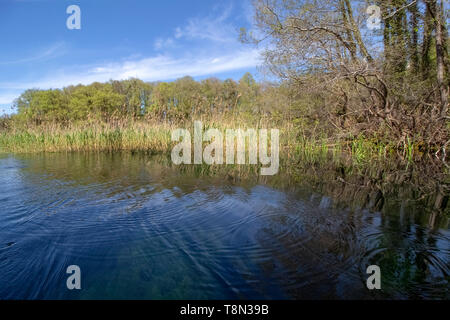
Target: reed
155 138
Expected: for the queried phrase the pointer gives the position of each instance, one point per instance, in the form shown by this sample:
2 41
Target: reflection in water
139 228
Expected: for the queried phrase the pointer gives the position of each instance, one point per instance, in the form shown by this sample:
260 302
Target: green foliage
135 99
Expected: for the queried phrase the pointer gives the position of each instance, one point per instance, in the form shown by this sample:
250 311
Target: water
140 229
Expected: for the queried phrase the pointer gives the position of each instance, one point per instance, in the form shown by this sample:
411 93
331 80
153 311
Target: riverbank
155 138
351 164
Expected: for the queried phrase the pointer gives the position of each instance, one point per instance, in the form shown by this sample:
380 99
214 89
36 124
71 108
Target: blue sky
149 39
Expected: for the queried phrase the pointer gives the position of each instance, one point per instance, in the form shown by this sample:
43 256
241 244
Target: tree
440 58
318 48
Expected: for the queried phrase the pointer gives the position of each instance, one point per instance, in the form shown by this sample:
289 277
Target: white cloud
149 69
8 98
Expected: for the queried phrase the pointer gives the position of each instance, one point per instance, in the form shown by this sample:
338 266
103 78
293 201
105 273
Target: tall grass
155 138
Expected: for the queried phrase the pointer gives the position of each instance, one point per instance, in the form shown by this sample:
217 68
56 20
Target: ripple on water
219 240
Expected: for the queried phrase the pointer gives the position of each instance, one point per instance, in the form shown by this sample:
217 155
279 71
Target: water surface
140 229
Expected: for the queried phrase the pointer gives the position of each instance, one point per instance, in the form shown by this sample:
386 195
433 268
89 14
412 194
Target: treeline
182 99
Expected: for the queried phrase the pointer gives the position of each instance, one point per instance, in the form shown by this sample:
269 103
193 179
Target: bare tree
319 48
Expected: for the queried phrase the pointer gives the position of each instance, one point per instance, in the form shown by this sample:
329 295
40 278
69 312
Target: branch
399 9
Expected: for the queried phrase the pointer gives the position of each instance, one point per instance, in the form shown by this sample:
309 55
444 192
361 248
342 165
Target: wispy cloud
48 53
149 69
213 28
164 43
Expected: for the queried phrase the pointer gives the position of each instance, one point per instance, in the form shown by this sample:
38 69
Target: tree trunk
426 43
440 60
387 40
399 37
414 37
357 33
348 30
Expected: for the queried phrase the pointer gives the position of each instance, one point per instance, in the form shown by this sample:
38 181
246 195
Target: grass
155 138
99 138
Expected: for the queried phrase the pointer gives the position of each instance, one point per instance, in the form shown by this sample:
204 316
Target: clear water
142 230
